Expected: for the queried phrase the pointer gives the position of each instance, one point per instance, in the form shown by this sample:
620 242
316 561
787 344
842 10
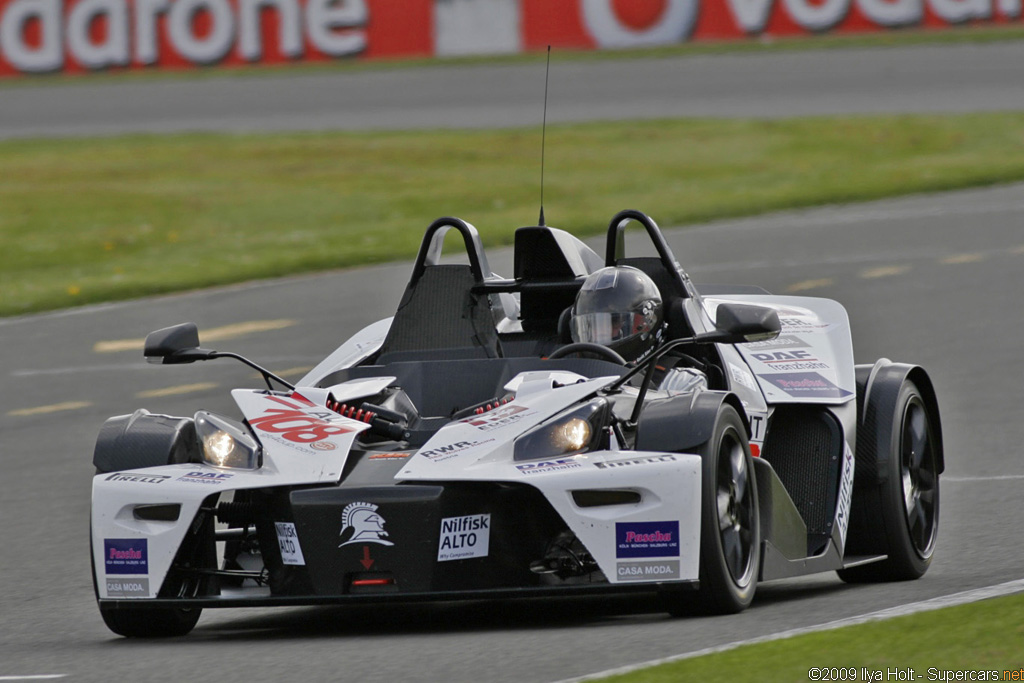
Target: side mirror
175 345
742 323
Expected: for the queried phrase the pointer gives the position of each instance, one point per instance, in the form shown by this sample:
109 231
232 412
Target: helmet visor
607 328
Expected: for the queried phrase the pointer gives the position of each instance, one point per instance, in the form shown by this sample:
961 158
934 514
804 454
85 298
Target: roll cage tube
433 243
616 247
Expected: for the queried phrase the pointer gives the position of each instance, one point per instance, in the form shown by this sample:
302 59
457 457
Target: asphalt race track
955 78
935 280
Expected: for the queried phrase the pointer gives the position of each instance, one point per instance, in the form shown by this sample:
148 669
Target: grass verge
91 220
985 636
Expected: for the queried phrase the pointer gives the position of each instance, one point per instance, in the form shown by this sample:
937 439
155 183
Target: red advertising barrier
87 35
39 36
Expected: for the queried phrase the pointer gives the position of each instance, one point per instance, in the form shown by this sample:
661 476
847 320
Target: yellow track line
883 271
962 258
805 285
178 390
214 334
55 408
301 370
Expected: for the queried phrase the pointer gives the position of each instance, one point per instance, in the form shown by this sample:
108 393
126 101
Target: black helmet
619 307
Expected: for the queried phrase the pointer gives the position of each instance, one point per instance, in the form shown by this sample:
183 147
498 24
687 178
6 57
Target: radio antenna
543 133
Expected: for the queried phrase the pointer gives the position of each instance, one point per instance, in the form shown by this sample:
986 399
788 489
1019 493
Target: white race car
468 448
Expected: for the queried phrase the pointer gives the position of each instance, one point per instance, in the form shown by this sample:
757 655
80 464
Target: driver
620 307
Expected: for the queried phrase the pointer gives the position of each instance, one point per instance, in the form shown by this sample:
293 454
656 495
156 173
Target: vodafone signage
86 35
39 36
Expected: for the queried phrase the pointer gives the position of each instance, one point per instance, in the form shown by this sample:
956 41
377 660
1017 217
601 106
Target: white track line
38 677
999 590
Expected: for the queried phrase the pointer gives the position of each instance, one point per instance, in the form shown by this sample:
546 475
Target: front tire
150 623
144 623
730 534
905 521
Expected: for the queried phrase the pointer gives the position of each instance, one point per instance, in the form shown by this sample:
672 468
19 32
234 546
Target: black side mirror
741 323
174 345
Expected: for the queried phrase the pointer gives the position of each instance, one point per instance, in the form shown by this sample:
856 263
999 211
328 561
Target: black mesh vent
803 447
439 312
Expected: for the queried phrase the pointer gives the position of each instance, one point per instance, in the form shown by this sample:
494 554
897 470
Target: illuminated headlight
571 432
226 443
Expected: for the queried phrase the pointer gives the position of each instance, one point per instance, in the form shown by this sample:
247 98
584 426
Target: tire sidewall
718 589
902 551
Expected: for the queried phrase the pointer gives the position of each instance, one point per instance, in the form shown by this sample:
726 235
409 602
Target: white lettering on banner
1010 8
214 46
323 17
48 56
132 30
250 38
751 15
819 15
146 12
49 35
892 12
956 11
113 50
674 26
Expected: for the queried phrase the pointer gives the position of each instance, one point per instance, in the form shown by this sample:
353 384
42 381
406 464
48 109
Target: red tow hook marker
367 562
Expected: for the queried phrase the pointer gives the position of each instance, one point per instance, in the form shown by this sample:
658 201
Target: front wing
161 535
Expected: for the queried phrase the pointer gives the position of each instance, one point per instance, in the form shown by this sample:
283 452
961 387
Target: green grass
88 220
982 636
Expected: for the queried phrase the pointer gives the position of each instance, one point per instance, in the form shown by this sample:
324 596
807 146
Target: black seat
440 316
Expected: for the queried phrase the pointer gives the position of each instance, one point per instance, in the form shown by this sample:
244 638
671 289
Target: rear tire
730 534
905 521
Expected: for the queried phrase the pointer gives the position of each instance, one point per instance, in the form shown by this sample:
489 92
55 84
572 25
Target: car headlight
574 431
225 443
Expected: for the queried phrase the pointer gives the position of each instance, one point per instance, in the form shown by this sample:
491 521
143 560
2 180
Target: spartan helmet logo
360 523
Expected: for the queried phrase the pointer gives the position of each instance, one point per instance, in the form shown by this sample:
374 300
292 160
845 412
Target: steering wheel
587 347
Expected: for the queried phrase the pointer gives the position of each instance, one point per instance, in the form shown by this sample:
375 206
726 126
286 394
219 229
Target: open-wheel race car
590 426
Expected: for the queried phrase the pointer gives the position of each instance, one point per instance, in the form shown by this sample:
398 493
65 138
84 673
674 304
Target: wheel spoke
927 498
919 528
724 518
908 491
732 548
915 436
739 471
